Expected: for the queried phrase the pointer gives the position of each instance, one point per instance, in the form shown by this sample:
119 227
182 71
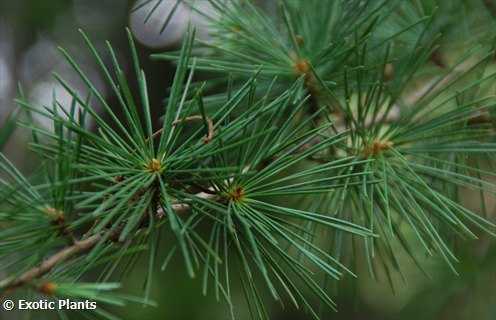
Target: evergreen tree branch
46 266
78 248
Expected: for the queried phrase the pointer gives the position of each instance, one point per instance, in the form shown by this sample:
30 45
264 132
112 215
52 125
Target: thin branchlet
78 248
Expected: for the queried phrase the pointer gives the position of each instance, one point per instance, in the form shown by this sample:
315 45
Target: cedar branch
79 247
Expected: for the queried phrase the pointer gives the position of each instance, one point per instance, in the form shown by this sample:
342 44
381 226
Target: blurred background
31 31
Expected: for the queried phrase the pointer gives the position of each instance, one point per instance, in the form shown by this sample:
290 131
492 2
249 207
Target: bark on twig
210 124
208 137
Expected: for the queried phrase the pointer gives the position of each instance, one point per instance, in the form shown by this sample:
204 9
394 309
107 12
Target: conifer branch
390 149
78 248
46 266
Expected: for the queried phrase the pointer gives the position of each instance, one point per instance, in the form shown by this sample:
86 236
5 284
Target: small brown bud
301 66
54 214
154 166
237 194
48 288
377 147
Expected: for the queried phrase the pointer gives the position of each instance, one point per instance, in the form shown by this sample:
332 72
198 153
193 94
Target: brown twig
210 124
206 139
